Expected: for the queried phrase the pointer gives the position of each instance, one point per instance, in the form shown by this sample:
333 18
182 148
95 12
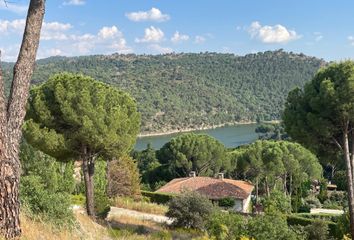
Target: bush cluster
190 210
159 198
46 186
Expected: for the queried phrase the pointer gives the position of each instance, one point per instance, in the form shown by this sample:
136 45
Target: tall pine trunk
257 191
9 194
349 166
267 187
12 113
88 169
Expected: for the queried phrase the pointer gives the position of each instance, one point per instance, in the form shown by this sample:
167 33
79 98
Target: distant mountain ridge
192 90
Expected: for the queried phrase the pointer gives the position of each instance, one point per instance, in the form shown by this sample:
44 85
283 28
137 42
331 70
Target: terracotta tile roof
213 188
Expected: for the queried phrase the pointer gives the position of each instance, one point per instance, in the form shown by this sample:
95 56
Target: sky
320 28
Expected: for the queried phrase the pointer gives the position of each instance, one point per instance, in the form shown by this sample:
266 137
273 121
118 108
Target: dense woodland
191 90
73 117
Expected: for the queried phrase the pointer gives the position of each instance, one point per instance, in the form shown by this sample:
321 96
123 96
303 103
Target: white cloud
75 2
318 36
56 26
152 34
47 36
84 37
57 39
351 40
272 34
50 30
159 49
199 39
107 38
15 26
177 37
109 32
55 31
153 14
9 53
15 8
50 52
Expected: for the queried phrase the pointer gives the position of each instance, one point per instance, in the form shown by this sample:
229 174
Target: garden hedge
294 220
159 198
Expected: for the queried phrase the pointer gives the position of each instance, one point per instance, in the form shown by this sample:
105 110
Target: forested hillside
190 90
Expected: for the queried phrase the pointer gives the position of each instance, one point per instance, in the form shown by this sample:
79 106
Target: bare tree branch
337 143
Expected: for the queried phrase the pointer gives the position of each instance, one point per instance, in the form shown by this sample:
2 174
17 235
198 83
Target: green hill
191 90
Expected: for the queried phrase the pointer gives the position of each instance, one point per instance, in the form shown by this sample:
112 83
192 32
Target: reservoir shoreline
230 136
185 130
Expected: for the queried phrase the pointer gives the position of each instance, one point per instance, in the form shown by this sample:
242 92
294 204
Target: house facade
214 189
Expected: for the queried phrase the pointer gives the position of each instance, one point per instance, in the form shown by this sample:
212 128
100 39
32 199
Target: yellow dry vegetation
140 206
86 229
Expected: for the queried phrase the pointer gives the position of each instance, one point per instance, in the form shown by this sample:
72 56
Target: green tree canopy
73 116
322 118
147 162
193 152
275 163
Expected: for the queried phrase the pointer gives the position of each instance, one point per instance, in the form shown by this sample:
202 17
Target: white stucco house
214 189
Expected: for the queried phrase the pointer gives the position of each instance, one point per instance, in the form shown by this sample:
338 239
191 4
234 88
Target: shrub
102 204
323 195
158 184
190 210
53 207
123 178
321 216
332 205
343 226
312 202
101 200
159 198
227 202
294 220
339 199
225 226
78 199
340 179
46 186
317 230
271 228
276 203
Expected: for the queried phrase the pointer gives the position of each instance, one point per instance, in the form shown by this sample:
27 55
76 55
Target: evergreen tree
123 177
322 118
12 114
75 117
193 152
281 164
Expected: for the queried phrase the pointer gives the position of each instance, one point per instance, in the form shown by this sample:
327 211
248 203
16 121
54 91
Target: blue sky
324 29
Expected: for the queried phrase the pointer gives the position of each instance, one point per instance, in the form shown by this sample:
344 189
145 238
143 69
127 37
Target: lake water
230 136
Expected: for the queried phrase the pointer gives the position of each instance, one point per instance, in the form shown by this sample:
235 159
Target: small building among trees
214 188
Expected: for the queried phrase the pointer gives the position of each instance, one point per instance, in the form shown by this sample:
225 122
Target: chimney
221 176
192 174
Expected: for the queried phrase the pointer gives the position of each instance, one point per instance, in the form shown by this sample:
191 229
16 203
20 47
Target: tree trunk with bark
88 169
267 187
349 166
290 184
12 113
257 191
